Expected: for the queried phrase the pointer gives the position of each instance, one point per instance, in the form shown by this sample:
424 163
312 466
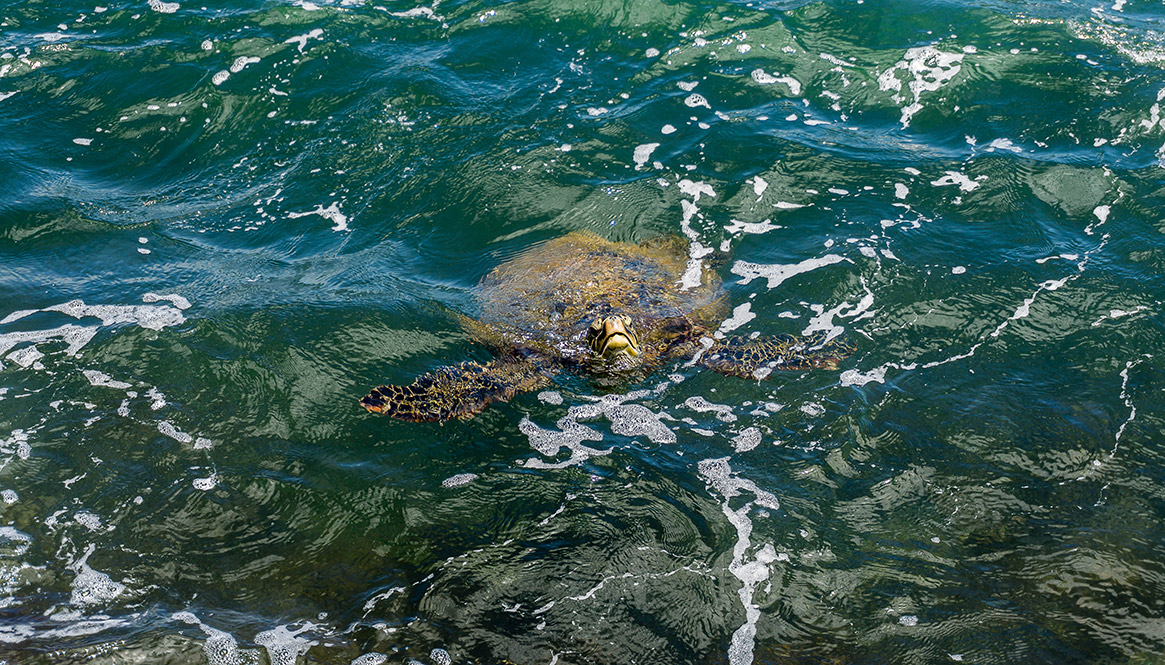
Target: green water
221 225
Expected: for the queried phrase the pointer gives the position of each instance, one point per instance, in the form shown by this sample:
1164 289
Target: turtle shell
546 298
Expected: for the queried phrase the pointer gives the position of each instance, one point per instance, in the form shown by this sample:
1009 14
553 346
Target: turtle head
612 336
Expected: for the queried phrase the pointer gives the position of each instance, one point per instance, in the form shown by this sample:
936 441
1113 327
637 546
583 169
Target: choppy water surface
221 225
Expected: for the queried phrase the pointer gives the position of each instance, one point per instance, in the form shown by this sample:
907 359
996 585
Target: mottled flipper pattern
458 391
754 358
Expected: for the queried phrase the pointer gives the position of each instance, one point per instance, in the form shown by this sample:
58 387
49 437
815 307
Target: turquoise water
221 225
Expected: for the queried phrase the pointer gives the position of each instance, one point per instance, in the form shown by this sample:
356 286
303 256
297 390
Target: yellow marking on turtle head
613 335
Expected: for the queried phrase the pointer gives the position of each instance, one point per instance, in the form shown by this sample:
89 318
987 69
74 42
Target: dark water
220 225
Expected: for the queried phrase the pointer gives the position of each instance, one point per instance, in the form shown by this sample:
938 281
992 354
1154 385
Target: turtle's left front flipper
755 358
459 391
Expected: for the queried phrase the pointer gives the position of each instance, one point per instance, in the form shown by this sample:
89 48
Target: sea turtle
582 302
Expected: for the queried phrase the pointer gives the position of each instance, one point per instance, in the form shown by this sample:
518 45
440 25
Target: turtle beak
612 336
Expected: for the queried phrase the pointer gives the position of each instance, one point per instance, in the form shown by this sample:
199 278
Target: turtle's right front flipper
755 358
460 391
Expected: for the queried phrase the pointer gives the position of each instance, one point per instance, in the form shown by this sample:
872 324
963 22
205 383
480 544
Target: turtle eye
597 325
626 320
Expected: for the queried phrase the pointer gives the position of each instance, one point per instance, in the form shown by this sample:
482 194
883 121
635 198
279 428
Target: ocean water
222 223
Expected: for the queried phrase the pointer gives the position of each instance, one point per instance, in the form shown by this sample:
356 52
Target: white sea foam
220 648
700 405
751 573
301 40
91 521
1119 313
1155 118
1024 309
570 435
778 273
693 274
763 78
370 604
284 646
741 315
242 62
459 479
696 100
75 626
205 484
748 439
812 409
630 420
696 189
26 357
220 77
834 60
157 399
643 153
823 321
853 377
163 7
785 205
929 69
177 300
962 180
735 226
14 542
91 587
331 213
1101 213
166 427
75 337
1005 145
550 397
97 378
146 316
16 444
1128 400
759 185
